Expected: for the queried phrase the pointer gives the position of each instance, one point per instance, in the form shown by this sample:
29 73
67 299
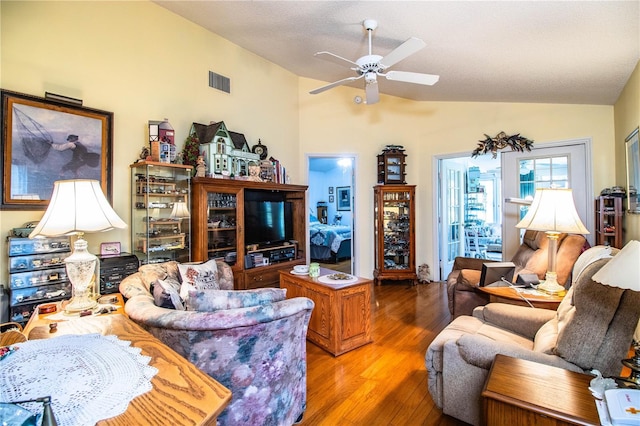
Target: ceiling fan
371 66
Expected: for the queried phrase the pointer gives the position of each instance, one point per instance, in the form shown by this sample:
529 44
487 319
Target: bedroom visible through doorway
331 211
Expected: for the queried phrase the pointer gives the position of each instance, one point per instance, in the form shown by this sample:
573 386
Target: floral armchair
257 351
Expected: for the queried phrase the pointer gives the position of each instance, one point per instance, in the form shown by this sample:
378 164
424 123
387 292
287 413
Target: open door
451 221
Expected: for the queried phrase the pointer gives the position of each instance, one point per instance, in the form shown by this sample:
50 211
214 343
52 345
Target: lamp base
79 304
551 286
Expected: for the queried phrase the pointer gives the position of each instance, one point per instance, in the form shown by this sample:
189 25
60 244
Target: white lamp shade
77 206
623 270
180 210
553 210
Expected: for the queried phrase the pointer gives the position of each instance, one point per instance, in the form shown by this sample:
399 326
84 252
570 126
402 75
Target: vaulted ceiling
580 52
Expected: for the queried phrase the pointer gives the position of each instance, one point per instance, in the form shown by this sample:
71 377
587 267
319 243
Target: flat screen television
495 272
268 218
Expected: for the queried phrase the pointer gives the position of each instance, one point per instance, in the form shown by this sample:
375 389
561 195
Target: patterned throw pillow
213 300
203 276
166 294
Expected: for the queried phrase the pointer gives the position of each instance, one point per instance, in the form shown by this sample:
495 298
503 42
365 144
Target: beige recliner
532 257
592 329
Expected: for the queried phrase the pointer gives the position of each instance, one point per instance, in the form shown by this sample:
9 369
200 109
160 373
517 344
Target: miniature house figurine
227 153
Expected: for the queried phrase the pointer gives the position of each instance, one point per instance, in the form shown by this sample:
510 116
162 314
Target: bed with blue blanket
329 242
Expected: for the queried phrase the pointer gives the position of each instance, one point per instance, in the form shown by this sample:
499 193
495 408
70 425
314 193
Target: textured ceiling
579 52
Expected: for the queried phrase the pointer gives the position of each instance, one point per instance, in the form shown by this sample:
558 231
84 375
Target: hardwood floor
385 382
342 266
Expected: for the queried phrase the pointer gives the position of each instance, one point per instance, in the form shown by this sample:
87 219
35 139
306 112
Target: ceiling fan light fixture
370 66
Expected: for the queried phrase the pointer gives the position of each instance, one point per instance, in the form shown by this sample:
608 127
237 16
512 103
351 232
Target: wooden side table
511 296
519 392
341 318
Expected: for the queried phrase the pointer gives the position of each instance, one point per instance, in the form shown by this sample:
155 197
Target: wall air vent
219 82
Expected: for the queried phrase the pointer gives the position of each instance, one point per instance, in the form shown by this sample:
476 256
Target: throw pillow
213 300
203 276
166 294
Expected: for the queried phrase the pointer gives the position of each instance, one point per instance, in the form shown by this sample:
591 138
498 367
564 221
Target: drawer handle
257 278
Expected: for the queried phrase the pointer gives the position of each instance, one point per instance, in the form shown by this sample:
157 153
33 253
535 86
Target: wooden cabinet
321 212
160 218
609 221
341 317
224 227
391 165
394 227
521 392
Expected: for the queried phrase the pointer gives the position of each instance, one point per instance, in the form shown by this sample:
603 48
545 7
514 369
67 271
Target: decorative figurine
201 167
254 172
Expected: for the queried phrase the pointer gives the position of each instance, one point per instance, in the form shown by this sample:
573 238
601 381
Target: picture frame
330 190
110 249
331 199
343 198
44 140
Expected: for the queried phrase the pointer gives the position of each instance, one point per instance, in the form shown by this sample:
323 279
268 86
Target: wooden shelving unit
609 215
394 226
218 229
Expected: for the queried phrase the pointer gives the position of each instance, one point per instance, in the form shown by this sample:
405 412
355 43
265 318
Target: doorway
472 190
470 207
331 237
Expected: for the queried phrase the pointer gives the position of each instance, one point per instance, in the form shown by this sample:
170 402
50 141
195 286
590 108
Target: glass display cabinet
394 217
160 216
391 165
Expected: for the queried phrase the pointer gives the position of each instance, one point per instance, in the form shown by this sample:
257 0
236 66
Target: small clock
261 150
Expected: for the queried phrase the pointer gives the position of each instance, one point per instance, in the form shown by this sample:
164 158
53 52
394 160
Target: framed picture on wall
44 140
331 198
331 190
344 197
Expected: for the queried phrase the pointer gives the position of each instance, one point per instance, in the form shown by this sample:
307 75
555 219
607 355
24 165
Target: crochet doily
89 377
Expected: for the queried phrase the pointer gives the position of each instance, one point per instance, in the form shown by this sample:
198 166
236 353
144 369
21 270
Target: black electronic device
113 269
527 280
268 218
496 271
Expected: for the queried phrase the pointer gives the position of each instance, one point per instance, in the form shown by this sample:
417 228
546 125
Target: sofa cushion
546 337
213 300
203 276
166 294
152 272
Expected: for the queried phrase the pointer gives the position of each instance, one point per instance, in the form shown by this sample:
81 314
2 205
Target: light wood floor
342 266
384 382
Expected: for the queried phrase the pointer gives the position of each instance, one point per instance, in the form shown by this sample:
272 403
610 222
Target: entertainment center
258 228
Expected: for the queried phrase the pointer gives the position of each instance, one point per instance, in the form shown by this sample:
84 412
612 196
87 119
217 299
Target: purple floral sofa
258 352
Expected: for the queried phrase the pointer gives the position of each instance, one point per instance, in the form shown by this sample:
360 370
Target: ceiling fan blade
328 56
334 84
371 91
405 50
412 77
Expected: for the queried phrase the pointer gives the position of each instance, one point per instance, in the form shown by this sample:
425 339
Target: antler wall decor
501 141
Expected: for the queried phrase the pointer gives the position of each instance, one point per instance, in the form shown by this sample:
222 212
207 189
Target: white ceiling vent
219 82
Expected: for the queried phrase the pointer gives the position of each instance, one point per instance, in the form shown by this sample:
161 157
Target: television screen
496 272
267 219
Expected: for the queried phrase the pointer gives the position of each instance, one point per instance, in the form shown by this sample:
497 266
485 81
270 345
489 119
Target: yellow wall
331 122
145 63
627 118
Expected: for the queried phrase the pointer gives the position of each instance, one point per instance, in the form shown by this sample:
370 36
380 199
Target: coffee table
341 318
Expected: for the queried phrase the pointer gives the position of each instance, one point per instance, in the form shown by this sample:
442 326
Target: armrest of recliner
480 351
522 320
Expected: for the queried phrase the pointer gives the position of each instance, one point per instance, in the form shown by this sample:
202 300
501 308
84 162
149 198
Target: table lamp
554 212
78 206
179 210
622 271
